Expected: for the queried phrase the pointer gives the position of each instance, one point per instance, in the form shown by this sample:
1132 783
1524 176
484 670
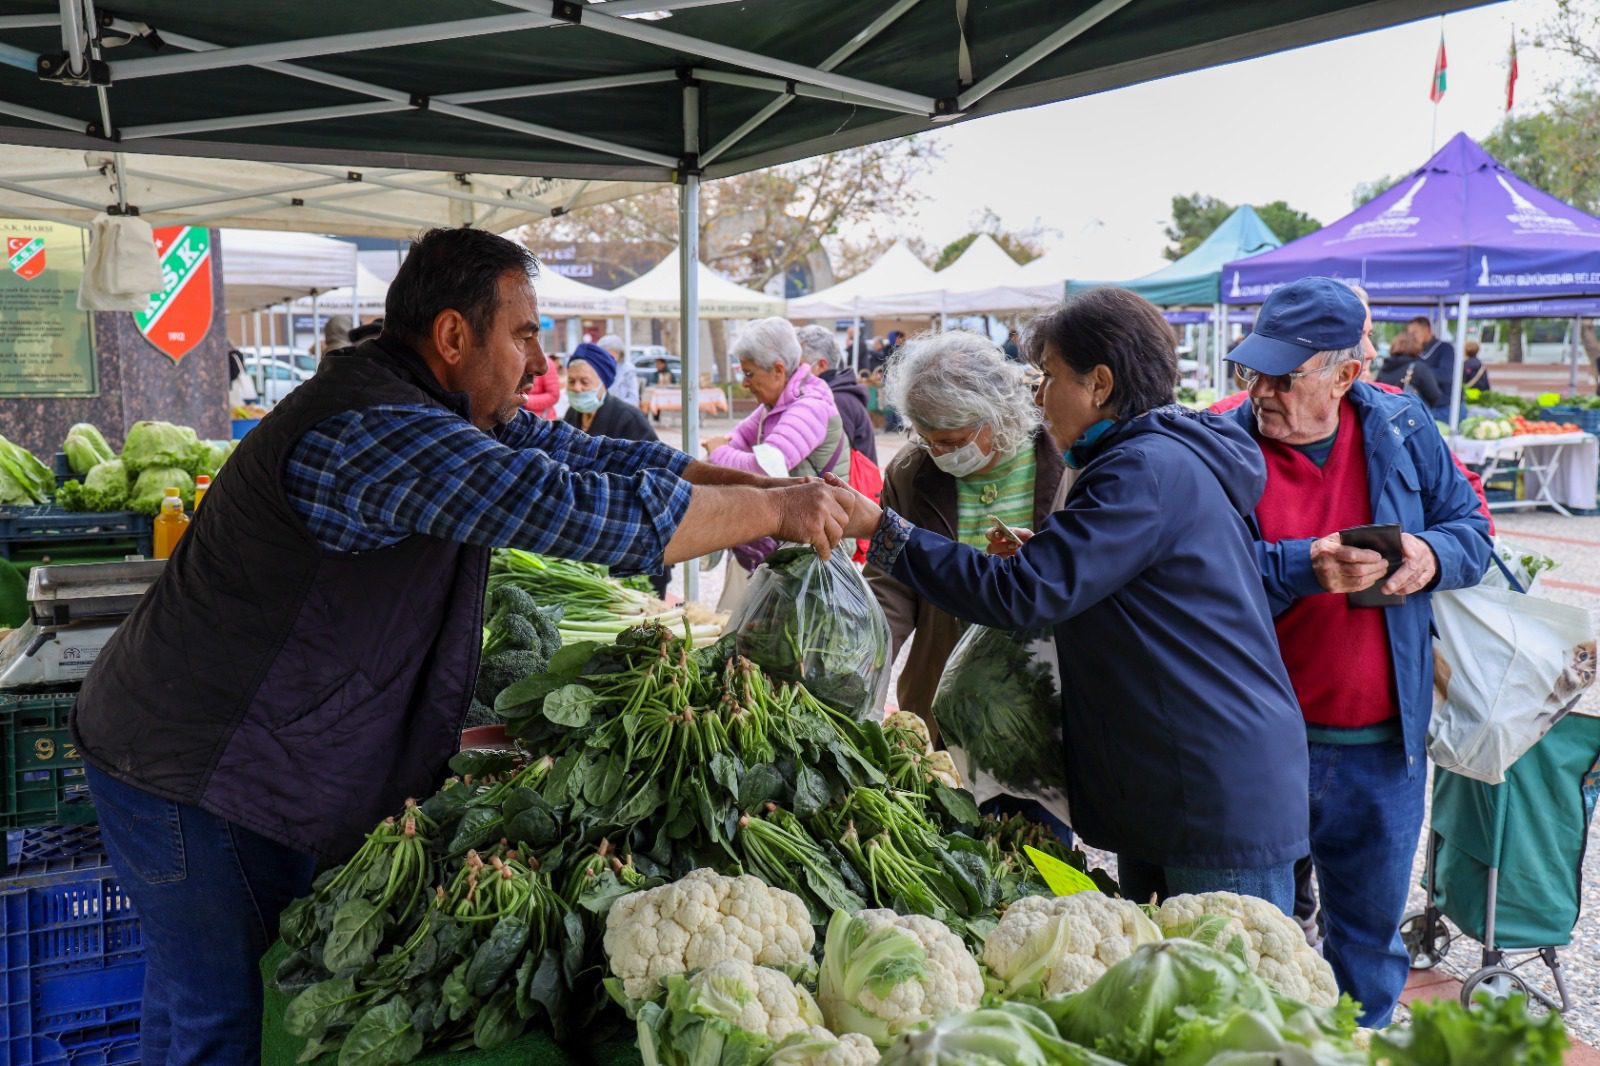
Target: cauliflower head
757 999
815 1046
1048 946
883 973
1271 943
700 920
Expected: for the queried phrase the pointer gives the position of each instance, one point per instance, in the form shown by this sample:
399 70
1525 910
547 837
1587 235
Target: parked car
275 378
644 361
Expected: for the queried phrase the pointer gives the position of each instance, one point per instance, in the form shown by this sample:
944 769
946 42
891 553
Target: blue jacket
1184 743
1415 484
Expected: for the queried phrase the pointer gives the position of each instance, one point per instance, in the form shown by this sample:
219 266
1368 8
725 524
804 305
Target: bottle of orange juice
169 524
201 484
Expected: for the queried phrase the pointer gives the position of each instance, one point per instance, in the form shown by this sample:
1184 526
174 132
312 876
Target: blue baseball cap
1299 320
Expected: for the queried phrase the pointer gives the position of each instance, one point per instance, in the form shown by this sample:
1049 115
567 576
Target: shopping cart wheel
1427 939
1498 981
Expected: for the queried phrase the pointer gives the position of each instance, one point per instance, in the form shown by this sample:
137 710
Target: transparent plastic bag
998 706
815 621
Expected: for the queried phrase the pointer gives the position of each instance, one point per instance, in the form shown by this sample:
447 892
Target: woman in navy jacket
1185 750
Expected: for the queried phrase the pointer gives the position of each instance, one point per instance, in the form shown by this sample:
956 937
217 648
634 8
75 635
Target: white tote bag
1507 667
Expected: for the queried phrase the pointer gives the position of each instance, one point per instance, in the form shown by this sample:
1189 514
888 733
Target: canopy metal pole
1572 348
256 373
856 344
1219 344
1461 355
689 296
316 326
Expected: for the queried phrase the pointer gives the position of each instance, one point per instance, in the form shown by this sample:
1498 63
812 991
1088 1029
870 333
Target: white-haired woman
980 451
795 432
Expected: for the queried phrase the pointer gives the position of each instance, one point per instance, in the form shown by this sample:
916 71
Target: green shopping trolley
1505 863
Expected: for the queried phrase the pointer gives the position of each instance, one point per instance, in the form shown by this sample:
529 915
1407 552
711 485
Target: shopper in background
820 353
1405 370
545 393
1013 352
1474 374
626 389
1185 750
1440 357
336 333
979 449
1342 453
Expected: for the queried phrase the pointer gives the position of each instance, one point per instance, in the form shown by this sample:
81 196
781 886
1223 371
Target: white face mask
964 461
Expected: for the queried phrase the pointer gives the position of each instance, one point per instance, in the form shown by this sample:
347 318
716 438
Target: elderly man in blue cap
1342 454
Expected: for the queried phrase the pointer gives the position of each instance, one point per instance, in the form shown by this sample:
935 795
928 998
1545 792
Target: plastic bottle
169 524
201 484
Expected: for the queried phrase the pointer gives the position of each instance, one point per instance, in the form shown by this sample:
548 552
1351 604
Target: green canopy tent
629 90
1196 279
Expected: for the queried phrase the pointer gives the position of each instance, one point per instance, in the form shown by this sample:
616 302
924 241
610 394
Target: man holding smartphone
1342 454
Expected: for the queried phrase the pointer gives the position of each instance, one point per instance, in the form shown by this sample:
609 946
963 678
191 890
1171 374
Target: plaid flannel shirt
369 478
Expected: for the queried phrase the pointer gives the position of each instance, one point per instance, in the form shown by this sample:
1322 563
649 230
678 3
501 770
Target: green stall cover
1195 280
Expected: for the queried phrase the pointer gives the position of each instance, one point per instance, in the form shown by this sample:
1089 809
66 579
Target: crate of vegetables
43 773
38 533
71 956
1585 417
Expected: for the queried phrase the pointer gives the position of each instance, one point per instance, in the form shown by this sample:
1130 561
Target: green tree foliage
1196 216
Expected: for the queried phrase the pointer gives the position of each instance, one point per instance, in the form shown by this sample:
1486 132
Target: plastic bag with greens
23 478
152 484
86 448
998 706
152 444
815 621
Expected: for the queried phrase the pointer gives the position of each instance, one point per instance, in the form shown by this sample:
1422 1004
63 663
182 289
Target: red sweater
1337 655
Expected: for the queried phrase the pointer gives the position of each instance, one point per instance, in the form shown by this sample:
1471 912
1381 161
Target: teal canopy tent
1196 279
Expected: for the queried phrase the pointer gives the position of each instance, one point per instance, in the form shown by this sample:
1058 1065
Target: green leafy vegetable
23 478
1493 1033
152 484
159 444
85 448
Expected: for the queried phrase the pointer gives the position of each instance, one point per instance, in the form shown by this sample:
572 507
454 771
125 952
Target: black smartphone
1385 540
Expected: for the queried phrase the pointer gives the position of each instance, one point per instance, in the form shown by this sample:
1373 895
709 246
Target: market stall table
659 399
1559 469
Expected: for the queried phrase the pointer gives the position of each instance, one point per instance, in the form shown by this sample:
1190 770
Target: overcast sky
1304 126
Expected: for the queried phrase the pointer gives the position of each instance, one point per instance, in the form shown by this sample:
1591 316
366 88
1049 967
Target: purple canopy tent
1462 226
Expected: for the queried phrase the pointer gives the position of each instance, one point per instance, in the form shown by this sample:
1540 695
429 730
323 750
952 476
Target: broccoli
519 638
478 714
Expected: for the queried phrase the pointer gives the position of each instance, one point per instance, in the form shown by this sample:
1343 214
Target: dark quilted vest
301 693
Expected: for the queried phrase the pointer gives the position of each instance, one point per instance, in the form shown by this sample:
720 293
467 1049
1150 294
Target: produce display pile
1515 426
757 878
588 603
155 456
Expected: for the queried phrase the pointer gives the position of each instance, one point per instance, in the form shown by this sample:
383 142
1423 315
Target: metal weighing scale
72 612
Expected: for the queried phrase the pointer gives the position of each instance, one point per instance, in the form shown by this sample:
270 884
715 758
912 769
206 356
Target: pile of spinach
479 912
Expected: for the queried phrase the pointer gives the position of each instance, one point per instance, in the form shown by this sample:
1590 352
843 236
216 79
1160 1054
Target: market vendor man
305 661
1342 453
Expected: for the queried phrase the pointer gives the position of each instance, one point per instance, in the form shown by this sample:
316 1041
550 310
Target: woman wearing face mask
1185 749
590 371
980 451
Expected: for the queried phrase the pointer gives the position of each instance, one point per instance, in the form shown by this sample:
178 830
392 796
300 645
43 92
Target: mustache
527 383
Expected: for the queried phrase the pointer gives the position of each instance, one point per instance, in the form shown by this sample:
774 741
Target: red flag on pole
1436 89
1511 74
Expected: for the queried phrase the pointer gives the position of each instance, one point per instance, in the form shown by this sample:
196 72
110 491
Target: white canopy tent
564 297
983 279
372 291
655 294
260 269
898 283
1044 281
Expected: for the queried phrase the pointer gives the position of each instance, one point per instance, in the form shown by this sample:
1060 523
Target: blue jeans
1141 881
208 894
1366 819
1033 810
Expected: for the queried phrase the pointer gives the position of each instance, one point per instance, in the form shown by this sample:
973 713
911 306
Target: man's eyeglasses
1247 378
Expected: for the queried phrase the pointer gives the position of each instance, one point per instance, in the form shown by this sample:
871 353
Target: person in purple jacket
1185 751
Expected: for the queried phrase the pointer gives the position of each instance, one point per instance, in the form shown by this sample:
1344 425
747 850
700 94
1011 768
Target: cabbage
23 478
152 444
105 489
209 455
1012 1034
86 448
1149 998
152 485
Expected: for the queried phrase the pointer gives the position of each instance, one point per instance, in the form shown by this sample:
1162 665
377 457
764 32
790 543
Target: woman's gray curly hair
959 379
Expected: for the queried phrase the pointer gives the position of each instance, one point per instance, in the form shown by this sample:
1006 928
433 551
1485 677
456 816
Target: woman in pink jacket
546 392
796 431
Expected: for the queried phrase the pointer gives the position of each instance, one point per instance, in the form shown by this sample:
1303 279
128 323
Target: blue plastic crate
1585 418
34 528
71 956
